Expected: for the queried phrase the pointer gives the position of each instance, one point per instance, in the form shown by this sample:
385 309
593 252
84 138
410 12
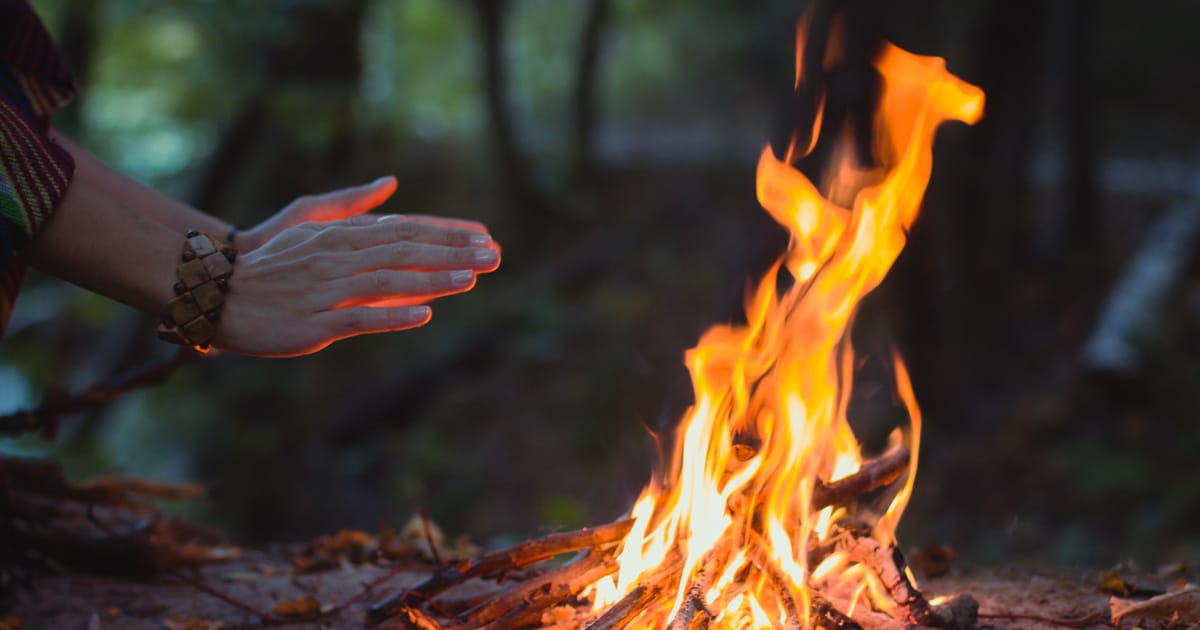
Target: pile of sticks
106 525
538 597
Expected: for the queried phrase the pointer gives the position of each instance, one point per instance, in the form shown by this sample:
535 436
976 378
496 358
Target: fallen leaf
1112 583
11 622
301 607
1182 606
114 612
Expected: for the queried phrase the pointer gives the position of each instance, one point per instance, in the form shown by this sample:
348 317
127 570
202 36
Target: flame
769 419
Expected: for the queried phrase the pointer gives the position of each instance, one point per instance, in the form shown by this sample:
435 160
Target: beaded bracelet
207 264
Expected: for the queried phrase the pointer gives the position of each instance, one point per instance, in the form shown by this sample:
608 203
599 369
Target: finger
450 222
385 284
407 257
347 202
348 322
348 236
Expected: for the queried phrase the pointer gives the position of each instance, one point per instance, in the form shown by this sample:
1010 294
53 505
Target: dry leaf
11 622
1111 583
1182 606
301 607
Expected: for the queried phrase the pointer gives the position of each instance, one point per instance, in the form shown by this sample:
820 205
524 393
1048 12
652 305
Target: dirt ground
263 580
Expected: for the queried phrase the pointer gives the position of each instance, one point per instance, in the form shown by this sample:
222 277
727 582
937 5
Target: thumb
344 203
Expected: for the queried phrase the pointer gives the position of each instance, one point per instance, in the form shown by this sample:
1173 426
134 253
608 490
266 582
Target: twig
433 550
621 613
888 563
694 609
830 617
517 557
56 402
548 594
874 473
534 590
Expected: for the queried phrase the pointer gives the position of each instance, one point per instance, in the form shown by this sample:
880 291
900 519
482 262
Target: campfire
769 515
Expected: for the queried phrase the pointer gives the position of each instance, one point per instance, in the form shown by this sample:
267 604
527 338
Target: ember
757 523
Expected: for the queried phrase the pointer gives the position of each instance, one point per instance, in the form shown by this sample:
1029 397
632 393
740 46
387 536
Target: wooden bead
192 273
218 266
201 245
208 297
198 331
180 288
182 309
188 255
213 315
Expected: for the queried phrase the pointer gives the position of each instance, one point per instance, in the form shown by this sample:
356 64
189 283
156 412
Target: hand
313 283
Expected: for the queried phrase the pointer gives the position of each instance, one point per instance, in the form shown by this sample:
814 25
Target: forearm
142 199
114 236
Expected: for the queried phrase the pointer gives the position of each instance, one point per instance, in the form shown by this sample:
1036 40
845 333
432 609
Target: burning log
621 613
888 563
872 475
694 614
539 593
500 562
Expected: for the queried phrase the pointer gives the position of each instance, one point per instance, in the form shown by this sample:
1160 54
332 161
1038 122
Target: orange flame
775 390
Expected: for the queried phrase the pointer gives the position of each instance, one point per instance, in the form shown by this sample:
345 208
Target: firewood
496 563
873 474
522 593
694 612
888 563
829 617
410 618
958 612
621 613
547 594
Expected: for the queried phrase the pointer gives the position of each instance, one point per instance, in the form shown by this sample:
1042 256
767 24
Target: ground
264 580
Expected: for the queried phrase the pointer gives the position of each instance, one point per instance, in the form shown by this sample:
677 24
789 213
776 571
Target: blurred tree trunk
528 209
296 132
585 94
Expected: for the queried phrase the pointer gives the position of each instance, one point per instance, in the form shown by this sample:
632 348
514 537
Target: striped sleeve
34 170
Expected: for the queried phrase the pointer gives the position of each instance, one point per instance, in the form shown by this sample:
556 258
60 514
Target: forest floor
266 581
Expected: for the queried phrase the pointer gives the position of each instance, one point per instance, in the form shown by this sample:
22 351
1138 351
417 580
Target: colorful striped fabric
34 171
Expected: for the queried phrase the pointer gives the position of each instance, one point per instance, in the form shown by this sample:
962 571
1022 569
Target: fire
734 519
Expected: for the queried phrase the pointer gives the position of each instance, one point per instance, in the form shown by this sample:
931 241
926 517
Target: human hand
314 283
331 206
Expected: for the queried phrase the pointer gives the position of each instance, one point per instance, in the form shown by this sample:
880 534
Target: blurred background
1048 303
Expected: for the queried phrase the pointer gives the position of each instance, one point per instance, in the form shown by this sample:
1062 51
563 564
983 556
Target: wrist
202 279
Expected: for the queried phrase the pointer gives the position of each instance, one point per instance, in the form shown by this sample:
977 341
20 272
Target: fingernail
461 278
480 240
419 313
486 257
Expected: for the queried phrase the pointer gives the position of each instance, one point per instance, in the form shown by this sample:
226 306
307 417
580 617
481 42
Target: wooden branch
57 402
829 617
521 593
875 473
888 563
621 613
598 564
694 612
517 557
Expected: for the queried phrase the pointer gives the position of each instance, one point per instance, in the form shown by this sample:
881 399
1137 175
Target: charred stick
694 612
524 592
621 613
875 473
888 563
825 615
498 562
547 594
